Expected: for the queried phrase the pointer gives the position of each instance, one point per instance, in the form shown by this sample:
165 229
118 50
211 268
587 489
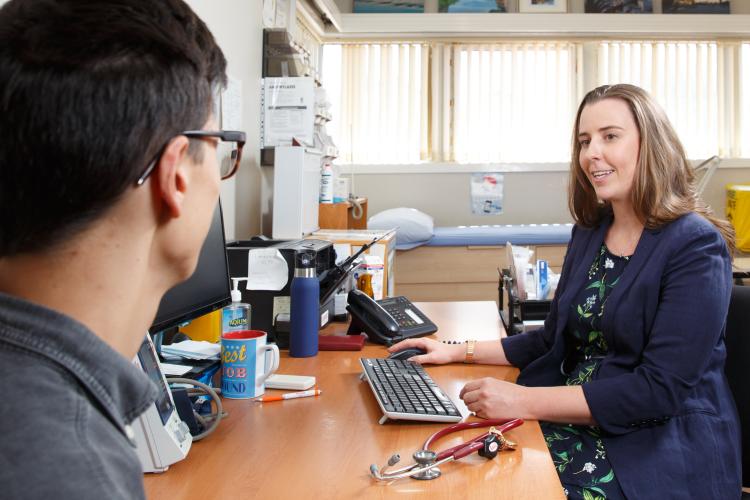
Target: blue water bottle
305 307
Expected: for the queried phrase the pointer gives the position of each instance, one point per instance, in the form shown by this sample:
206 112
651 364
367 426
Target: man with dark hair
108 182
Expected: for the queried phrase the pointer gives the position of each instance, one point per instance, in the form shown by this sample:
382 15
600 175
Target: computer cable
211 421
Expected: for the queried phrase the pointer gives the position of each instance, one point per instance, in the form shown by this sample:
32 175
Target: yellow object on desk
206 327
738 213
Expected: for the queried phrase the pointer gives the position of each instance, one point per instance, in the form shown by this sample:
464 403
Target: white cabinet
296 188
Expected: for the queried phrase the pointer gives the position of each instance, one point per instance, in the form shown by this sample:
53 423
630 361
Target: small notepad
291 382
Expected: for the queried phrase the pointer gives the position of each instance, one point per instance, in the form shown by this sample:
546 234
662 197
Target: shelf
282 56
514 25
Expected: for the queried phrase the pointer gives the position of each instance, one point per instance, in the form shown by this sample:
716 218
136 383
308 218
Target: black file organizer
517 310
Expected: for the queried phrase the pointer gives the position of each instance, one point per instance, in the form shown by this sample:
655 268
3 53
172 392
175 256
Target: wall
529 198
238 28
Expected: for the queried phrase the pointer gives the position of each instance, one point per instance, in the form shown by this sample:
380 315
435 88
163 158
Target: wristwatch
470 344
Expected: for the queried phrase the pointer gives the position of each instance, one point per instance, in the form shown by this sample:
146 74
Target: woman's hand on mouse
436 352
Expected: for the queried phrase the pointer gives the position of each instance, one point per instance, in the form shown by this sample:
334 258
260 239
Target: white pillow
414 227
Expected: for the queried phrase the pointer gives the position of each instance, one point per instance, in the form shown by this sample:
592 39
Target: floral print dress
577 450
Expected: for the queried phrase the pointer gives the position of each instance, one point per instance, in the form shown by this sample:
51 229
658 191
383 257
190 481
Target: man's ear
172 175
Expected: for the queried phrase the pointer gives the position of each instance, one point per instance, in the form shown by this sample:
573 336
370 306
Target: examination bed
461 262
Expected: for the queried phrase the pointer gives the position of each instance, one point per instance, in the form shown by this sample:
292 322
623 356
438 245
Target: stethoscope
426 462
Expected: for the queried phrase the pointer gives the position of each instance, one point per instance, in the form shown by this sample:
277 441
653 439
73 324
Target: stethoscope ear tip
374 471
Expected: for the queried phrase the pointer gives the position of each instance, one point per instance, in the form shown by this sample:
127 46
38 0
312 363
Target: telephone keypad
410 320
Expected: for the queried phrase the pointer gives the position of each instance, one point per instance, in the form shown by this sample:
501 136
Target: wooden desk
322 447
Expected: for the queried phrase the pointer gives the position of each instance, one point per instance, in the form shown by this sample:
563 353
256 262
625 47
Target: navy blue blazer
660 395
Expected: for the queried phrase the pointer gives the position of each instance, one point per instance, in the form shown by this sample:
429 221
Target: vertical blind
515 102
745 100
683 77
383 103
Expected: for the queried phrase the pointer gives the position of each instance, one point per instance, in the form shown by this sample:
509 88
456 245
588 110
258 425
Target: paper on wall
289 110
486 193
282 13
269 13
266 269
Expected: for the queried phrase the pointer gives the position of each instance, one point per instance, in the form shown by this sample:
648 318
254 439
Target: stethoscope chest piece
425 458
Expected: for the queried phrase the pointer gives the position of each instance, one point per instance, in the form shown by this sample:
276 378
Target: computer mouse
407 353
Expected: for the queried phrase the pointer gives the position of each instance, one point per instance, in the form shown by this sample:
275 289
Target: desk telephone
386 321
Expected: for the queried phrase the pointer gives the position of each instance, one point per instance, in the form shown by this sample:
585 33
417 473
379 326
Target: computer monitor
206 290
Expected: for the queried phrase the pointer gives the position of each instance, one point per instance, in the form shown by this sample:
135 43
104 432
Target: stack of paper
173 370
191 349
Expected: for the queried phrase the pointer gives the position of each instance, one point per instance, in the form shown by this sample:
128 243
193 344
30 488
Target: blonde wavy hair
664 187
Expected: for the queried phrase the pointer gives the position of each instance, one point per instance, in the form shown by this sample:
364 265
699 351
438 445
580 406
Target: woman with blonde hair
627 375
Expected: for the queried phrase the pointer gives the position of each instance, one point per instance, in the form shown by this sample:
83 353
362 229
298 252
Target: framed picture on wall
695 6
472 6
619 6
388 6
542 5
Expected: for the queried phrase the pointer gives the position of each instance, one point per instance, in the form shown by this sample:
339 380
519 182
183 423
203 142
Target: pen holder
513 310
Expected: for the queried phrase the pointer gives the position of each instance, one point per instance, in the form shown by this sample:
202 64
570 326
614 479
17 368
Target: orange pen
290 395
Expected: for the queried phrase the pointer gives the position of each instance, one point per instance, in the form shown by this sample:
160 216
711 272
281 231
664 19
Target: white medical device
161 437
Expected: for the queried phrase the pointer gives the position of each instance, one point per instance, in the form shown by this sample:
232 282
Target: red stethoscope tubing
472 445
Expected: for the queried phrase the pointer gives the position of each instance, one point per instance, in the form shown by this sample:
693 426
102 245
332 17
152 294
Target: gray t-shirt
67 401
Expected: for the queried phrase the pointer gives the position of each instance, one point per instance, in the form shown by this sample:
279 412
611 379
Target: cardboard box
348 241
340 215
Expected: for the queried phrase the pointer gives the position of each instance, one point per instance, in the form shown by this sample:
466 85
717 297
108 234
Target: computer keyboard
404 391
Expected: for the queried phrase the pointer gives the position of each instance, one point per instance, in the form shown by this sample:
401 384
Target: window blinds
514 102
383 103
684 78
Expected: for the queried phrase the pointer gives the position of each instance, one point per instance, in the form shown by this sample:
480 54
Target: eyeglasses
228 151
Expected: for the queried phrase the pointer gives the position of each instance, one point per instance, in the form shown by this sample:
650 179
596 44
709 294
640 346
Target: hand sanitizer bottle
326 184
235 316
305 307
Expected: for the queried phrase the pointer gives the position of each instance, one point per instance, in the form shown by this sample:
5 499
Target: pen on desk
290 395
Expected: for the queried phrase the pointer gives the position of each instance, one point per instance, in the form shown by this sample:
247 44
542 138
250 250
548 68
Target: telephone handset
386 321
